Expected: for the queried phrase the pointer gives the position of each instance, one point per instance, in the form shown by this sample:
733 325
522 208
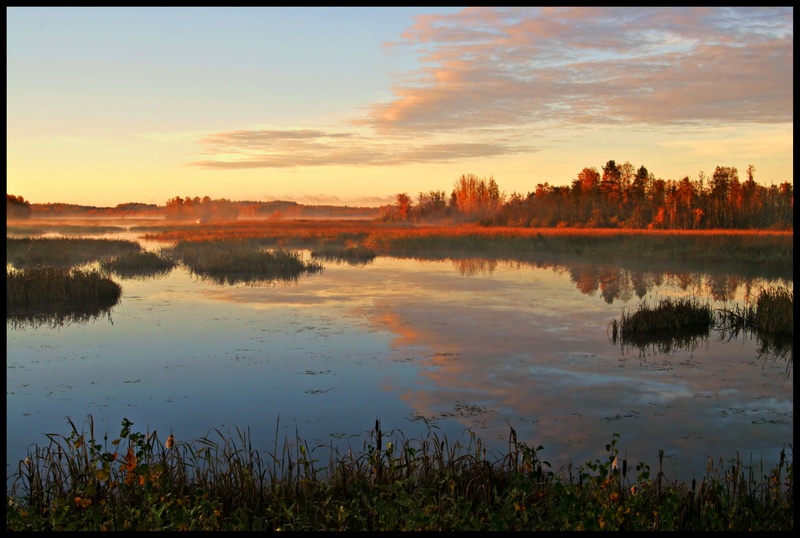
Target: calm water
458 347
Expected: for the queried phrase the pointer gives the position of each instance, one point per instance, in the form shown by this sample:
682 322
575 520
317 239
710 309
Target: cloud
277 148
494 80
659 66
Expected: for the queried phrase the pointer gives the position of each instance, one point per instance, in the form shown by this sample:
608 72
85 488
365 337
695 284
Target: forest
618 196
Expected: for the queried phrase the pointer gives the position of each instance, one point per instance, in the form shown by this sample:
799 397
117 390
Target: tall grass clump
771 320
774 311
679 324
54 295
135 481
45 285
670 315
350 253
64 251
231 262
138 264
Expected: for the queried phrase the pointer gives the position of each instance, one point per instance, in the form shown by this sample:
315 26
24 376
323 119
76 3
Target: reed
710 246
138 265
219 482
46 285
669 316
774 313
350 253
34 227
682 324
55 296
64 251
230 262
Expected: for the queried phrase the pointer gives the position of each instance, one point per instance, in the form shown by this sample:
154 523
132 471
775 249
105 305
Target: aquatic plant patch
138 264
56 295
229 262
64 251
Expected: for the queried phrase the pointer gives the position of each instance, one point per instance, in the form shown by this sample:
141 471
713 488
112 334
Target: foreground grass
134 482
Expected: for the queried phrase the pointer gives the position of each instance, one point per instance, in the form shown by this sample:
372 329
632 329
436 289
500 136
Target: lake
455 347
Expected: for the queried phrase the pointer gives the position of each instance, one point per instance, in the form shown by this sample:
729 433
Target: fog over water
454 347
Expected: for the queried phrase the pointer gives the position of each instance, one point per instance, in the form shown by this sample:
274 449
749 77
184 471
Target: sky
352 106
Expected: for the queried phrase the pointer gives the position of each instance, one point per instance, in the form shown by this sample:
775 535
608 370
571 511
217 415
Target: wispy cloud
657 66
307 147
492 78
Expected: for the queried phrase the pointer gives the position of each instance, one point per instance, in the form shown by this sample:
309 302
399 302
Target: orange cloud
307 147
492 80
595 65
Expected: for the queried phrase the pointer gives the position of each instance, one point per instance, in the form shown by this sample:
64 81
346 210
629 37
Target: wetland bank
426 333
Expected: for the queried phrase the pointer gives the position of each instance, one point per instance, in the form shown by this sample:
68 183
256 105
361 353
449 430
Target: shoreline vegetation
137 482
748 247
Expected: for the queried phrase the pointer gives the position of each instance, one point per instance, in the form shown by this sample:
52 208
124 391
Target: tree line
618 196
188 209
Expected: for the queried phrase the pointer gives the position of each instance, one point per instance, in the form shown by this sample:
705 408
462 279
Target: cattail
170 441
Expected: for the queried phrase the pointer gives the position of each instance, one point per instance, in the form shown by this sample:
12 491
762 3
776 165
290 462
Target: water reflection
248 278
141 273
58 317
617 283
456 346
769 346
355 255
474 266
664 343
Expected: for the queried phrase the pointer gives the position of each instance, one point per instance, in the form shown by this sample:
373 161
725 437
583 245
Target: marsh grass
57 296
64 251
771 320
772 315
43 285
63 227
710 246
683 324
350 253
219 482
138 265
669 317
231 262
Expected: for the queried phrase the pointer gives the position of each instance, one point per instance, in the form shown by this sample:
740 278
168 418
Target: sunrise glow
351 106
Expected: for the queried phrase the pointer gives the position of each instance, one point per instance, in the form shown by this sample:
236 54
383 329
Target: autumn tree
431 205
17 207
724 182
476 198
610 194
585 194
